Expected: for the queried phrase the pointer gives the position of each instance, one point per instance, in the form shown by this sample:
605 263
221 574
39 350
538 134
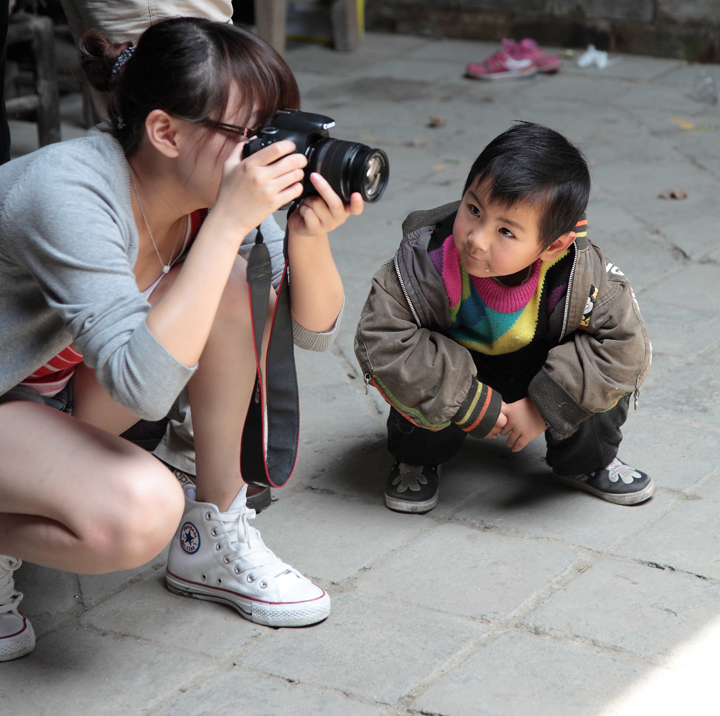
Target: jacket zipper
404 290
569 291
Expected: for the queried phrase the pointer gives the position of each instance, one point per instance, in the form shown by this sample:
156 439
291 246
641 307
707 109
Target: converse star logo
189 538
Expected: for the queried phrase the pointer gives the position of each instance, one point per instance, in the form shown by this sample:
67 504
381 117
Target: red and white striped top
51 378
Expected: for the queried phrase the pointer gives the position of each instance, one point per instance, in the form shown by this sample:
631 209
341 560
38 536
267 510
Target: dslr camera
347 166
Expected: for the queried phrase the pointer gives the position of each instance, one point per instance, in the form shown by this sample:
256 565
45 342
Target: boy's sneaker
528 49
217 556
17 637
412 488
501 66
618 483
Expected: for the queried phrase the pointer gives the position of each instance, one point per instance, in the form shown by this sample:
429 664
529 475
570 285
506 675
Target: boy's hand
499 425
319 215
524 423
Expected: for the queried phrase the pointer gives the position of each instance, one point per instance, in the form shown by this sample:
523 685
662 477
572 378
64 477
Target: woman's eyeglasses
244 132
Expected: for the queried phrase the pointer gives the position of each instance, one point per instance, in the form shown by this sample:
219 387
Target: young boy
498 316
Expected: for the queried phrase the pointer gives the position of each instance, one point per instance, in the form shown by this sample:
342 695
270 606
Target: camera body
347 166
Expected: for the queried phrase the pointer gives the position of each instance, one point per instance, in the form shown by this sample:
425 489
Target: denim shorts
63 401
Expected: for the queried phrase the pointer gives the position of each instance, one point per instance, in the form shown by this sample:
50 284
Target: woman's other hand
319 215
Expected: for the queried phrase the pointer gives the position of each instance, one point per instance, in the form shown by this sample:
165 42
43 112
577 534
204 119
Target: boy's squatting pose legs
498 316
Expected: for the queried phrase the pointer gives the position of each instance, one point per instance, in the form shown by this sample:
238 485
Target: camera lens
375 177
349 167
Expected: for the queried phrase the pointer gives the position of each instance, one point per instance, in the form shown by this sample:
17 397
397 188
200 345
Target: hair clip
121 60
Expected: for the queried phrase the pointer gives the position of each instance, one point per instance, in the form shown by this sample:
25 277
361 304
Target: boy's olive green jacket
602 352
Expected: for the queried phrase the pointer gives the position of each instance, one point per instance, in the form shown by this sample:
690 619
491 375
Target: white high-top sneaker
17 637
218 556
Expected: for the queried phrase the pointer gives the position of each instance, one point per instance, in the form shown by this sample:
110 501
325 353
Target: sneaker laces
618 470
9 596
247 546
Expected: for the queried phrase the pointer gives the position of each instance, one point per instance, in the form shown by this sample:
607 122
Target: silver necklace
165 267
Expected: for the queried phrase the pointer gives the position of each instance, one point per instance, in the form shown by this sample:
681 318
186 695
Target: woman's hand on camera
251 189
319 215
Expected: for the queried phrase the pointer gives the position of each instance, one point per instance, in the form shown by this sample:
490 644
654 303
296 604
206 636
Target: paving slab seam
314 490
317 688
424 528
678 498
329 440
131 582
163 646
679 364
265 676
544 539
71 615
192 683
663 567
661 279
41 633
707 427
702 354
350 367
669 135
655 660
501 628
697 163
450 664
703 482
572 572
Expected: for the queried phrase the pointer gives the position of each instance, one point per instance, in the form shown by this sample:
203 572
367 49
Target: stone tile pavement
514 596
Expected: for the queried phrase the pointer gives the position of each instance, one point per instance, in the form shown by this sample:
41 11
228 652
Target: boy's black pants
591 447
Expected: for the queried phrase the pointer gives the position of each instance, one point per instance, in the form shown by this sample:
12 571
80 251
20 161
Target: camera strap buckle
272 427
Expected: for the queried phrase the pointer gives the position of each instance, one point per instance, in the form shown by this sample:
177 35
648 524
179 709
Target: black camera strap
272 426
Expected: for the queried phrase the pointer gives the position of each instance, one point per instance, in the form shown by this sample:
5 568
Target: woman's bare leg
77 498
220 393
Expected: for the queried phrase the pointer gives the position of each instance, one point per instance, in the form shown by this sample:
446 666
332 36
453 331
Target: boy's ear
162 131
558 246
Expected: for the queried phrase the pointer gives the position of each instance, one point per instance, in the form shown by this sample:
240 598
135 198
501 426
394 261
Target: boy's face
493 240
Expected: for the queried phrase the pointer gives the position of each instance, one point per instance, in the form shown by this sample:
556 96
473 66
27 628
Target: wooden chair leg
271 22
37 30
346 30
43 48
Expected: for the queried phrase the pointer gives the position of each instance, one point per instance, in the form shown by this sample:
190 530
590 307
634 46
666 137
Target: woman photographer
99 318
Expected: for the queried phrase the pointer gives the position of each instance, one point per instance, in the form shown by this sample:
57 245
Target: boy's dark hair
534 164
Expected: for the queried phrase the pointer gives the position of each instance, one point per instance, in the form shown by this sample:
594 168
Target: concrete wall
688 29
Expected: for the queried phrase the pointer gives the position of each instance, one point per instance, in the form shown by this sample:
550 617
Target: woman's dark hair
187 67
532 164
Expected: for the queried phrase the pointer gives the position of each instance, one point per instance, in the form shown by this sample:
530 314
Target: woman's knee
235 303
145 511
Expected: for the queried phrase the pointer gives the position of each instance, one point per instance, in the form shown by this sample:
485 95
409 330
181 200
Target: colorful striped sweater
506 328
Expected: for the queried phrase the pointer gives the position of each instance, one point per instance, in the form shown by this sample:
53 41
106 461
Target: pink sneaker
501 66
528 49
